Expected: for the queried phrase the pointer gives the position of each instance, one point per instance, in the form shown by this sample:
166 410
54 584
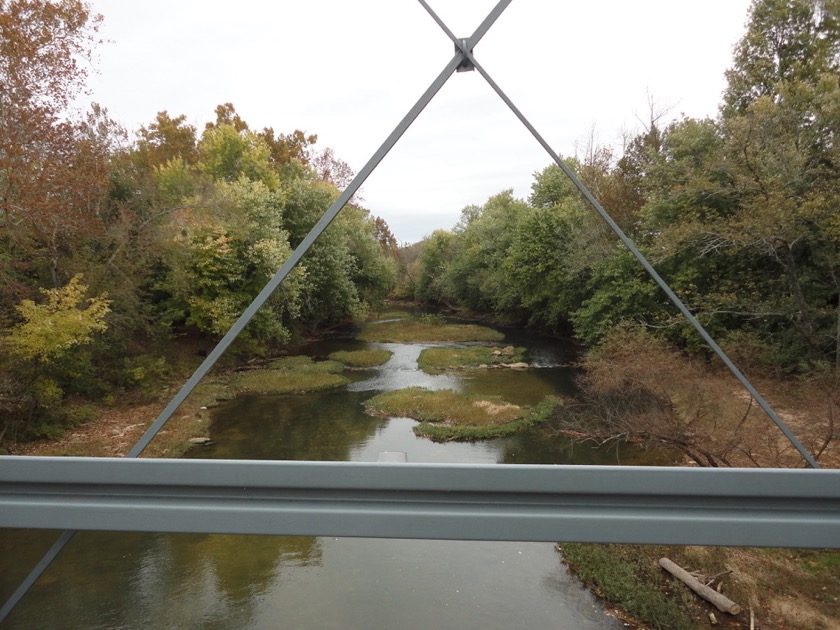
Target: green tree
550 262
227 153
475 277
787 42
756 196
787 186
346 269
435 256
222 254
283 148
552 186
374 266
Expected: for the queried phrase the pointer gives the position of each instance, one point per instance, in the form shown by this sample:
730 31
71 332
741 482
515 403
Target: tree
166 139
52 175
41 45
58 325
787 41
331 292
374 266
382 233
228 152
283 148
786 178
550 261
46 350
552 186
435 256
753 196
287 147
475 277
332 169
226 115
221 254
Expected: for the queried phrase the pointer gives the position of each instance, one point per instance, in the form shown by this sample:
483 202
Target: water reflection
130 580
323 427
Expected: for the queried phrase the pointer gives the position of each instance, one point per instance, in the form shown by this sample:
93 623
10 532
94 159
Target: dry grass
639 388
706 409
786 589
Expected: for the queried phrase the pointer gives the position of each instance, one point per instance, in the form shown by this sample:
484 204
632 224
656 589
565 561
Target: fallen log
721 602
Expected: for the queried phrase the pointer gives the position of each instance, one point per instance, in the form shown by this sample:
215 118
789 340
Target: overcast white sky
349 70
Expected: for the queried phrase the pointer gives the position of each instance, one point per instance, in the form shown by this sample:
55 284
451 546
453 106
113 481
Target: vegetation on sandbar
386 315
361 358
437 360
448 415
414 330
290 375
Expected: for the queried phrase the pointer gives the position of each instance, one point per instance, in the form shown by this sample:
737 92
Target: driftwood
721 602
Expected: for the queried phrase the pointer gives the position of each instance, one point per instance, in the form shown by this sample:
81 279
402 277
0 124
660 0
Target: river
118 580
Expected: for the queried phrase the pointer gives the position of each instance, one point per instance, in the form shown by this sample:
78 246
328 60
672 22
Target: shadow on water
116 580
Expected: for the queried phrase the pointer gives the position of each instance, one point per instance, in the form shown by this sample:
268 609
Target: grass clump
437 360
391 315
361 358
291 375
444 406
433 319
305 365
415 331
627 576
447 415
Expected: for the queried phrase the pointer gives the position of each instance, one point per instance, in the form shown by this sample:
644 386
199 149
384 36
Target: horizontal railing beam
602 504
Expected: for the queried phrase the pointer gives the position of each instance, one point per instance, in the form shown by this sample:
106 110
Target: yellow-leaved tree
44 353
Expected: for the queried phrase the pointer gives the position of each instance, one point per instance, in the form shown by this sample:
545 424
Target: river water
118 580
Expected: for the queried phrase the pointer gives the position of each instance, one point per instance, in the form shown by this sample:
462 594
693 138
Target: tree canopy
738 213
174 232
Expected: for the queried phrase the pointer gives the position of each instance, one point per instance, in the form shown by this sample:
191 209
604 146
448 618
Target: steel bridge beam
734 507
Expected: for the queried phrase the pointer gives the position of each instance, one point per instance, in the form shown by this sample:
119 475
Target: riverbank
780 589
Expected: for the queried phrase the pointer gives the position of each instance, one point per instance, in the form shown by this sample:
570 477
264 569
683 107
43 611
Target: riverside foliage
171 234
739 213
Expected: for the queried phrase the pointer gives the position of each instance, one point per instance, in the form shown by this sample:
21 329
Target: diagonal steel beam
765 406
601 504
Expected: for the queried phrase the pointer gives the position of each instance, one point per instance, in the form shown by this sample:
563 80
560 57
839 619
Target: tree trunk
721 602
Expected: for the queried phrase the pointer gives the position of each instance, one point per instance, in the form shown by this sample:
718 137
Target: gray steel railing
603 504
